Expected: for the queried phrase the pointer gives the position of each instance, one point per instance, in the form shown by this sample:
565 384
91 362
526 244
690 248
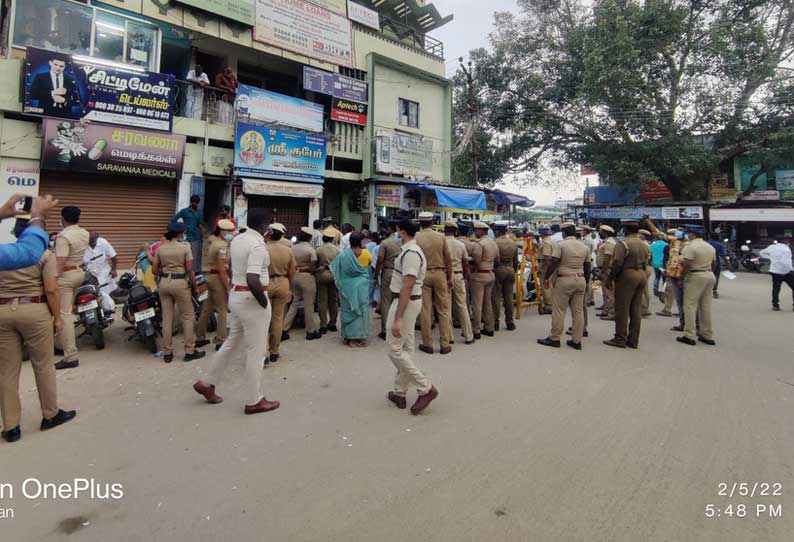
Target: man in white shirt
780 268
100 260
556 233
250 314
347 229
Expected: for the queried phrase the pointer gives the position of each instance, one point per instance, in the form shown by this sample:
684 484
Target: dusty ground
524 443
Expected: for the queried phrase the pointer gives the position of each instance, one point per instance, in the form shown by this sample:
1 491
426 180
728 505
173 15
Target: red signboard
349 117
587 170
655 190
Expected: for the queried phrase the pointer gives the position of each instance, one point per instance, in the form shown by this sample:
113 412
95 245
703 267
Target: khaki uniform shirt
457 250
71 244
589 242
572 254
248 254
410 262
508 252
327 253
486 249
282 260
174 257
546 248
390 249
305 255
434 248
700 255
468 243
28 281
607 248
218 248
631 253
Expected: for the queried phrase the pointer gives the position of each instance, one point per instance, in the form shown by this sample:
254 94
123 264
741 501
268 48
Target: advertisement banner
363 15
403 154
266 106
785 183
59 85
241 11
654 190
266 152
337 6
655 213
389 195
762 195
682 213
350 112
94 148
721 190
306 29
19 176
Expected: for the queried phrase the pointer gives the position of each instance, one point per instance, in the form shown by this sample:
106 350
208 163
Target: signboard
350 112
656 213
241 11
306 29
762 195
260 151
62 86
19 176
785 183
115 150
266 106
720 189
682 213
259 187
333 84
752 214
389 195
337 6
653 190
360 14
608 194
403 154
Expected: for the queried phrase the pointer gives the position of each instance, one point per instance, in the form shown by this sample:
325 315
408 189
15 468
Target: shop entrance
292 212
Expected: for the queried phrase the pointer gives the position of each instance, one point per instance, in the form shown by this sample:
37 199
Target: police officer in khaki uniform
482 280
436 287
571 264
505 277
173 263
463 237
70 246
281 270
589 242
544 260
304 286
29 313
628 274
327 295
460 275
388 251
218 284
603 261
646 236
699 265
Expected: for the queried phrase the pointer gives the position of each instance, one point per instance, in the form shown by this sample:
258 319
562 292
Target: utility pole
473 116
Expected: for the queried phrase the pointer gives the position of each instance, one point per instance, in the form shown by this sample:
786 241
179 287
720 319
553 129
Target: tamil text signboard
363 15
403 154
266 106
265 152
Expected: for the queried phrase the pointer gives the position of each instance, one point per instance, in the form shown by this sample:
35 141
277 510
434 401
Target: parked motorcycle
141 309
199 295
94 310
731 257
750 260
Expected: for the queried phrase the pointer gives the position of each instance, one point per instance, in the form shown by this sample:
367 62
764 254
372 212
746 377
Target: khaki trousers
401 350
67 284
698 292
29 325
246 342
504 284
303 287
646 294
385 297
609 299
481 301
588 291
546 293
568 293
435 294
460 305
218 302
278 293
669 295
327 298
176 292
630 288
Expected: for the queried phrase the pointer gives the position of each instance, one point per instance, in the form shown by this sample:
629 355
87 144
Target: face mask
183 239
228 237
679 235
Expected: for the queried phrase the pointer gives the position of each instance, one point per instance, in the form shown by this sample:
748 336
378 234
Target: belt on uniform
436 268
213 272
484 271
304 270
246 289
23 300
416 297
388 268
277 276
571 275
397 297
458 272
699 270
71 268
175 276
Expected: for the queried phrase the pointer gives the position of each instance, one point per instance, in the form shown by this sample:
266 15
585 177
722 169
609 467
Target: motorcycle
750 260
199 295
731 257
94 310
141 309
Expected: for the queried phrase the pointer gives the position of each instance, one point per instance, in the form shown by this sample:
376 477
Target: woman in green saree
352 281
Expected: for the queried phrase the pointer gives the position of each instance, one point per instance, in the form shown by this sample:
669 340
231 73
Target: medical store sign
269 153
19 176
264 106
112 150
78 88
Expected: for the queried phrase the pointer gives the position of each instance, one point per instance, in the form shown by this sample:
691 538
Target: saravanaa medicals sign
269 153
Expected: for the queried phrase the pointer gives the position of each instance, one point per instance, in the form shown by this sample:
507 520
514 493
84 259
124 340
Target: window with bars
408 113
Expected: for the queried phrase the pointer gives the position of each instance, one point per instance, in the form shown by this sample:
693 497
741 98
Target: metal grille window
408 113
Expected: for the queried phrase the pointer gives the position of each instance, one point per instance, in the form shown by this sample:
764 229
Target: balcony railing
411 37
204 102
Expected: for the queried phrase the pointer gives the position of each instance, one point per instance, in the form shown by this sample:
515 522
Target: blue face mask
679 234
228 236
183 239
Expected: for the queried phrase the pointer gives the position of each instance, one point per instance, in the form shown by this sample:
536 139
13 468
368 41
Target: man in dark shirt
719 248
191 217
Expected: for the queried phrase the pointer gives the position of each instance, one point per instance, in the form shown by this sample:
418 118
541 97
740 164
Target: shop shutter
126 211
292 212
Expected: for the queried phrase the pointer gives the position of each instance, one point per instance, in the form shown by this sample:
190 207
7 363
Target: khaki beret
607 228
567 225
307 231
646 233
480 226
329 232
275 226
425 215
451 224
226 224
672 231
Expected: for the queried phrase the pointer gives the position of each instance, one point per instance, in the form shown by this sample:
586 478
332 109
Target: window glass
140 44
109 36
409 113
54 25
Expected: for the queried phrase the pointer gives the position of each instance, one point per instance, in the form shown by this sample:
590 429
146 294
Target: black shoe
575 346
285 336
496 326
323 330
382 335
12 435
195 355
456 325
677 328
549 342
218 347
776 308
470 342
511 326
202 342
709 342
332 328
488 333
274 358
313 336
62 417
716 295
59 351
632 346
585 333
168 358
67 364
477 336
686 340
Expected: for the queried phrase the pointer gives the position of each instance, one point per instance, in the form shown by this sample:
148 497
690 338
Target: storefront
759 224
393 199
293 204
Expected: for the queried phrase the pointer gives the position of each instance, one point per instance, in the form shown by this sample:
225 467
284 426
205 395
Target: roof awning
458 198
505 198
751 214
262 187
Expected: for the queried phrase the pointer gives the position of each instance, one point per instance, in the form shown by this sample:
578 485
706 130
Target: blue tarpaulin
458 198
505 198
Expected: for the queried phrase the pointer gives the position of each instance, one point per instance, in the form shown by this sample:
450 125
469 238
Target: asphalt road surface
524 443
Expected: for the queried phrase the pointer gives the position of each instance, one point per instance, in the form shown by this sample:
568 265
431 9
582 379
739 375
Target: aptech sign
349 111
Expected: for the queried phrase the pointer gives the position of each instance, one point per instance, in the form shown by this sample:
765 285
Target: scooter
199 295
141 309
750 260
90 307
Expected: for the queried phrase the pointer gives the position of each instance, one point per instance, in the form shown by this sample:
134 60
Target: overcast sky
469 30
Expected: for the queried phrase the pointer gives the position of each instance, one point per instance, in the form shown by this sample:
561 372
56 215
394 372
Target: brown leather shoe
423 401
398 400
445 350
426 349
262 406
615 342
208 392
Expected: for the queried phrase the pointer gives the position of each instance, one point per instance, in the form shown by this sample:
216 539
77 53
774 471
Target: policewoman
217 284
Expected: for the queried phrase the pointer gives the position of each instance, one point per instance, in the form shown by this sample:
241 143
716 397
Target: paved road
524 443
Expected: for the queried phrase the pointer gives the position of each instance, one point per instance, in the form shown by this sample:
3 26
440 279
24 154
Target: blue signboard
333 84
58 85
266 106
609 194
269 153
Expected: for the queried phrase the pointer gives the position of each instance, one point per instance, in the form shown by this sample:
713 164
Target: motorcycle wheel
98 336
151 343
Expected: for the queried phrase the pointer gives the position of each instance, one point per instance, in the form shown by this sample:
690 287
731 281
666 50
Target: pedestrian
250 313
460 275
719 248
173 263
191 217
347 230
481 281
410 269
572 267
673 271
658 247
317 236
281 273
699 263
218 285
505 270
556 233
463 237
352 281
303 285
589 241
436 286
603 261
70 247
544 259
628 272
33 240
780 268
388 251
194 97
227 81
100 260
225 213
327 295
645 236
